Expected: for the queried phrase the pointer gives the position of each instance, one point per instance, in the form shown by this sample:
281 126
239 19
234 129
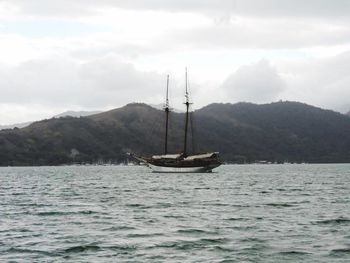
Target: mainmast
166 109
187 103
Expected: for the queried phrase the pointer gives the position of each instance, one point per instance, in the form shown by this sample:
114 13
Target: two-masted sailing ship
180 162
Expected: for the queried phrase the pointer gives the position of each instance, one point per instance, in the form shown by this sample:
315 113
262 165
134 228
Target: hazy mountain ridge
242 132
75 114
16 125
162 105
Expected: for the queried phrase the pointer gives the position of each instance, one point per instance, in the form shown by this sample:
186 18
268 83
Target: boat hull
203 163
164 169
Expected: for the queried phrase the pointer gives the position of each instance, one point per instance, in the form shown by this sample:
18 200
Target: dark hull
182 165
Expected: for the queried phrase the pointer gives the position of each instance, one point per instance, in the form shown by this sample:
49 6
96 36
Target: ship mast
166 109
187 103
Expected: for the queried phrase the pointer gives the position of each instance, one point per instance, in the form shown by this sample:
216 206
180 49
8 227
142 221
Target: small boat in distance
180 162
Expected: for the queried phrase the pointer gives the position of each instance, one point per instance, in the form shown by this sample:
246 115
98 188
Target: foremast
187 103
167 110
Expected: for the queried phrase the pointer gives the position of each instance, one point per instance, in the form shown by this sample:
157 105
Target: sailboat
180 162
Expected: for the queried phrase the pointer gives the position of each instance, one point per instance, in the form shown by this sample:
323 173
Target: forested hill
242 132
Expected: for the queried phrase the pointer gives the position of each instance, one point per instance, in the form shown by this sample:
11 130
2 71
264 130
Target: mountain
63 114
16 125
161 107
76 114
282 131
242 132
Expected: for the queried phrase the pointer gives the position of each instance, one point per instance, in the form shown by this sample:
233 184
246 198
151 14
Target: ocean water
240 213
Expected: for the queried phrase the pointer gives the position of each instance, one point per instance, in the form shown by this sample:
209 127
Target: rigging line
172 137
192 133
186 122
191 122
166 108
154 134
152 137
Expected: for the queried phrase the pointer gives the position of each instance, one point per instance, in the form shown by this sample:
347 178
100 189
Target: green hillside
242 132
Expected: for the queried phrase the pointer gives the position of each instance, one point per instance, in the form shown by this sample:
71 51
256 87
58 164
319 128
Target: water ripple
334 221
82 248
242 213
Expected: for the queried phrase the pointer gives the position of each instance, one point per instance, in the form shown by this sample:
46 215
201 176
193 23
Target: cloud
18 113
267 8
64 8
143 27
323 82
88 54
248 7
63 82
262 34
258 83
40 88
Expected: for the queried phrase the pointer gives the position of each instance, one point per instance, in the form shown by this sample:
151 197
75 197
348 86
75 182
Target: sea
238 213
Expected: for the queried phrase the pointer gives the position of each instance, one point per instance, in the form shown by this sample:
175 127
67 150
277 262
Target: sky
102 54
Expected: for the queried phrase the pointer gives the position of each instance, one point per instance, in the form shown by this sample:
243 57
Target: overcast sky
101 54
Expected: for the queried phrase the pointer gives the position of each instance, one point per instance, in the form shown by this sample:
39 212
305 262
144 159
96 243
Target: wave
216 204
140 206
163 205
340 251
195 244
136 235
252 239
334 221
60 213
256 247
236 219
294 252
195 231
28 251
223 249
279 204
21 230
243 228
173 216
114 228
82 248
